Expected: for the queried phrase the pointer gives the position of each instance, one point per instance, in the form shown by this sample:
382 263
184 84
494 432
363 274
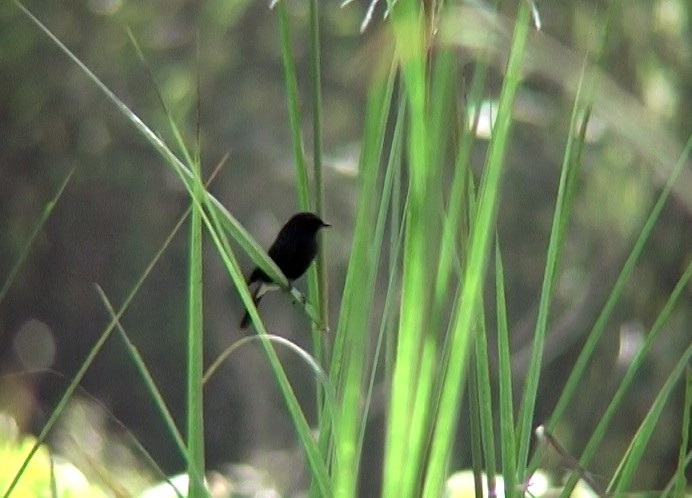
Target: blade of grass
292 100
150 384
685 463
604 316
563 205
630 462
485 401
476 441
195 348
680 479
507 435
38 226
350 353
171 120
628 378
466 308
317 279
410 388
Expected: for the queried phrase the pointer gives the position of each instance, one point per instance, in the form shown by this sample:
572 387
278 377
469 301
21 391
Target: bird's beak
325 224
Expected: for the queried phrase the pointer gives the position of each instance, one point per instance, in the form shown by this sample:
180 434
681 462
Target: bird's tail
256 298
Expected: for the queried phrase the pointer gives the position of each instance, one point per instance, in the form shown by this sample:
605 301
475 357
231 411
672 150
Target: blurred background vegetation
122 202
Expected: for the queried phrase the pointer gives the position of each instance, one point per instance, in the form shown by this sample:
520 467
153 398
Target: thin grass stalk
507 434
670 487
563 206
292 101
680 479
466 308
177 135
485 401
38 226
150 384
195 348
375 256
476 440
317 279
628 378
629 465
604 316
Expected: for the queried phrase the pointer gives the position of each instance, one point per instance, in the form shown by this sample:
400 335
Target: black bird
293 250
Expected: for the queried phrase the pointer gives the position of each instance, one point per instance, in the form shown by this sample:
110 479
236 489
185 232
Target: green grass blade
171 120
680 479
485 401
347 367
467 306
410 388
320 284
604 316
195 350
476 441
507 435
60 407
628 378
150 384
563 206
685 463
38 226
630 463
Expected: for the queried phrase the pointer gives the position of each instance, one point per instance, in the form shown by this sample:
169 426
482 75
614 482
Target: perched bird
293 250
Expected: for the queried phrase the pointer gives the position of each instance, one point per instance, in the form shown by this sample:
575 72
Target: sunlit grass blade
354 408
38 226
620 482
467 306
475 440
410 385
347 363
